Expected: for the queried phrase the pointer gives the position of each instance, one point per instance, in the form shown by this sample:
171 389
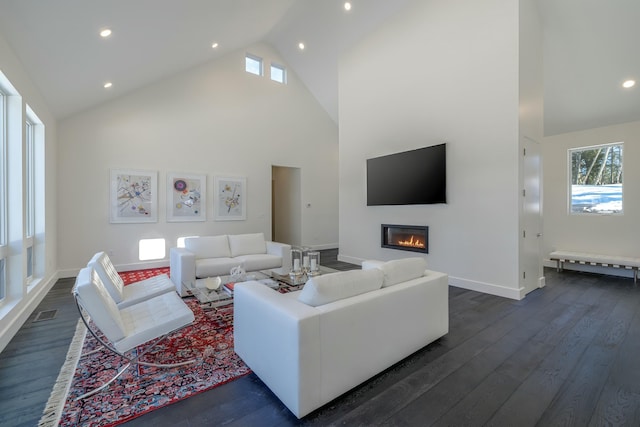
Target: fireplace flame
413 242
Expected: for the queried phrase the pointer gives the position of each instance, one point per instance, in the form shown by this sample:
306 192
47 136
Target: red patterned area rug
142 389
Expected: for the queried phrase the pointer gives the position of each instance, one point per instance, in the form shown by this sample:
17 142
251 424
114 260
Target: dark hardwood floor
568 354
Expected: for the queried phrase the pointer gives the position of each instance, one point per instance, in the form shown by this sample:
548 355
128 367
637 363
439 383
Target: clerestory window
253 65
278 73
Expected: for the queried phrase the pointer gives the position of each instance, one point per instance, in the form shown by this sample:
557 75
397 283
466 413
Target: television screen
416 177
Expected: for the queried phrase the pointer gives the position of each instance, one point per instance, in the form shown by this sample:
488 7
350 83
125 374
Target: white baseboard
487 288
349 259
324 247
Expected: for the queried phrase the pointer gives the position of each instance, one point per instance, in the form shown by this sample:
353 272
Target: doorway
531 242
286 205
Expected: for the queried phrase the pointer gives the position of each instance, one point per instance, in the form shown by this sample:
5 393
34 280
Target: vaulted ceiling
588 46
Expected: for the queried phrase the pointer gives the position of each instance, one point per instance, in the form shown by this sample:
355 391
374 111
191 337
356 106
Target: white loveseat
341 329
210 256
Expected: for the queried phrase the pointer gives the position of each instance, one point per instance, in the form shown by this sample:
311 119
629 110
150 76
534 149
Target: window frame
3 195
570 173
34 195
250 57
280 68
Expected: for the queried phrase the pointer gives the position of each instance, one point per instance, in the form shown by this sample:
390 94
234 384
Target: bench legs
560 267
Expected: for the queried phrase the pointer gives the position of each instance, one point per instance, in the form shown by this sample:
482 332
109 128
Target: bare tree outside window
596 179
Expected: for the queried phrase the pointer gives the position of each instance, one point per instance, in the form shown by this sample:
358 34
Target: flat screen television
416 177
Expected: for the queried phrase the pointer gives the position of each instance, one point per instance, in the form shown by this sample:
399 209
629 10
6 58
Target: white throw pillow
208 246
247 244
401 270
331 287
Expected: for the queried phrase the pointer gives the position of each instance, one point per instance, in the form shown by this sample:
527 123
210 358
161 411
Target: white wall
22 299
531 77
604 234
440 71
215 119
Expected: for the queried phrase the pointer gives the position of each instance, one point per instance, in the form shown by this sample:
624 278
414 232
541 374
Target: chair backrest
95 299
109 276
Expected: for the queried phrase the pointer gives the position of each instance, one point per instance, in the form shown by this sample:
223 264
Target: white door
531 233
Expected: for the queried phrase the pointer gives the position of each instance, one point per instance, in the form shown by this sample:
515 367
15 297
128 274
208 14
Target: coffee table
295 282
275 278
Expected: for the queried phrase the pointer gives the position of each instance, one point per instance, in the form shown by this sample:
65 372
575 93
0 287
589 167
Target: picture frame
186 197
230 198
133 196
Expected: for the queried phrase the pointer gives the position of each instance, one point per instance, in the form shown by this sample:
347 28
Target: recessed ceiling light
107 85
629 84
214 45
105 33
301 46
347 6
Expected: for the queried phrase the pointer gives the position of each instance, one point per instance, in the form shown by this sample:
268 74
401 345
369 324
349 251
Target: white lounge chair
146 322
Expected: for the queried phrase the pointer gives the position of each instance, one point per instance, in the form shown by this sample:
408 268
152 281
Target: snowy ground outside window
601 199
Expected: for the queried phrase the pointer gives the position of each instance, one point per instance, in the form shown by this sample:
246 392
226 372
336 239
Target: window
30 177
253 65
34 196
596 179
3 195
149 249
30 214
278 73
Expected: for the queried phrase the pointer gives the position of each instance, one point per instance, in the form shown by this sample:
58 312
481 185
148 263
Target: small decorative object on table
212 283
314 263
296 263
238 274
305 260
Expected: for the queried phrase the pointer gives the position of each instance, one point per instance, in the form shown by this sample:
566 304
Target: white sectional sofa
313 345
210 256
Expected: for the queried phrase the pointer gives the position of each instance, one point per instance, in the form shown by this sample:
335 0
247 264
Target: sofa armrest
182 268
278 338
282 250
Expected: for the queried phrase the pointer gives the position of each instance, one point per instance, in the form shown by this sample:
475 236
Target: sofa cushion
401 270
247 244
259 261
331 287
208 246
210 267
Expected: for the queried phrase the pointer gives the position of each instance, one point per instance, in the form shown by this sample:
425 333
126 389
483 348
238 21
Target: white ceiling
589 47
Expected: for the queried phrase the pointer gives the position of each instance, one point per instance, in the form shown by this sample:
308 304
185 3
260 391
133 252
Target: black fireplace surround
414 238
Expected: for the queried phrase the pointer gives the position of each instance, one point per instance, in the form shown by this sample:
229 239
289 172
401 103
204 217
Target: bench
628 263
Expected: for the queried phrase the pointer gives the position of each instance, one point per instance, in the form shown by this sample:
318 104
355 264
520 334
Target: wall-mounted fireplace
414 238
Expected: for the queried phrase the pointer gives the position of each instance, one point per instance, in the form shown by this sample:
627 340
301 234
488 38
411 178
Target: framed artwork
230 198
186 197
134 196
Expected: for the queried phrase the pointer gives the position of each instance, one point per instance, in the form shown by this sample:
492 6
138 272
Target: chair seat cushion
145 289
152 318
